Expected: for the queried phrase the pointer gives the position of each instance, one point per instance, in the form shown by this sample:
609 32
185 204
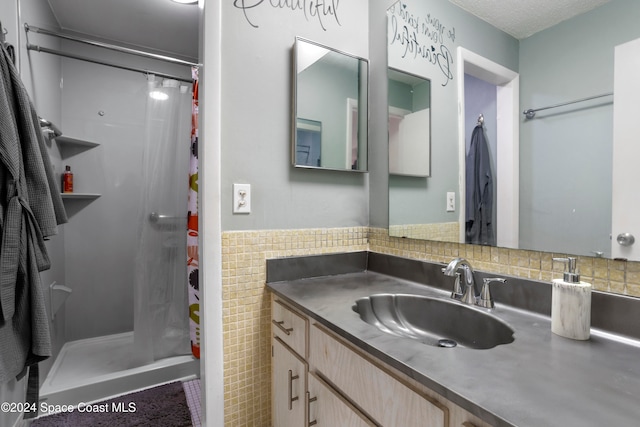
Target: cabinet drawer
290 327
385 399
326 408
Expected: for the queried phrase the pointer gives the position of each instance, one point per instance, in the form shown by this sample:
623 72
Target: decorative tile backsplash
607 275
247 310
246 304
441 231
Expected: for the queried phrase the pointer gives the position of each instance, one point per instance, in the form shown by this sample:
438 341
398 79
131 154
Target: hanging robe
30 210
479 191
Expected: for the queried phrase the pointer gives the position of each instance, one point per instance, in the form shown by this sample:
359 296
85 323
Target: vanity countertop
540 379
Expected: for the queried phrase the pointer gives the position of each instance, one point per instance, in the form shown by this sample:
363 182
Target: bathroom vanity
328 381
332 368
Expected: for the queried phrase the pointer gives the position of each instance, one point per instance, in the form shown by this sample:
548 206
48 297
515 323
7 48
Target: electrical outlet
242 198
451 201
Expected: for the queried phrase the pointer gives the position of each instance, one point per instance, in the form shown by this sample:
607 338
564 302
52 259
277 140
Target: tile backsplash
247 310
606 275
246 304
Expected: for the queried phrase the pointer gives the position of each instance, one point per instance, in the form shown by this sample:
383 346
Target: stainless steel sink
433 321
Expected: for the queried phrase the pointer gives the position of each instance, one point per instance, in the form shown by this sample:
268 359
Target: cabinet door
326 408
289 376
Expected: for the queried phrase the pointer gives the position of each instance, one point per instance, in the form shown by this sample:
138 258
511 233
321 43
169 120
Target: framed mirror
409 124
330 99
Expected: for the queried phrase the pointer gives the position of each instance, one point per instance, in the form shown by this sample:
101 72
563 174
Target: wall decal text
422 38
319 11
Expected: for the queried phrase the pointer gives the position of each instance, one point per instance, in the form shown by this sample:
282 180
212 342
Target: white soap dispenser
571 304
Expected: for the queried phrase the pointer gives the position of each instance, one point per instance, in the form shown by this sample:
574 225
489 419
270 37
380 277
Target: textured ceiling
523 18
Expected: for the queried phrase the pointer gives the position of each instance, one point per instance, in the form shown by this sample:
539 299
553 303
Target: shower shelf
70 146
79 195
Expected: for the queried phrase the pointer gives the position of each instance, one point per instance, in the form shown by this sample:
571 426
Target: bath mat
165 406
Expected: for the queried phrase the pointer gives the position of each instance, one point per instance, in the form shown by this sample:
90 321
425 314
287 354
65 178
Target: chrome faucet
470 294
485 299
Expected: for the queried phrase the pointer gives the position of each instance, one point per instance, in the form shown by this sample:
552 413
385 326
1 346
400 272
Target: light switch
242 198
451 201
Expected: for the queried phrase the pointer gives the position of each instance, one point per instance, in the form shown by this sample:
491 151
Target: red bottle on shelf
67 180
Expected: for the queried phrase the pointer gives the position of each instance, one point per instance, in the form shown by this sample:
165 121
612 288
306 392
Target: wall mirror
562 209
409 124
330 93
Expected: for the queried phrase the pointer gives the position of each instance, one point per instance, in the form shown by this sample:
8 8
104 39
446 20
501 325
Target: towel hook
480 120
3 33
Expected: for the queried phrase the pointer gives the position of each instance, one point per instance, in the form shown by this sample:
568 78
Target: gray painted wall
566 153
256 120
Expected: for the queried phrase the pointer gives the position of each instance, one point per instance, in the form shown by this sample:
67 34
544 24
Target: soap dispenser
571 304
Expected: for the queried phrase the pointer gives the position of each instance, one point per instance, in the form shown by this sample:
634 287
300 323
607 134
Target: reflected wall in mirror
567 176
330 108
409 124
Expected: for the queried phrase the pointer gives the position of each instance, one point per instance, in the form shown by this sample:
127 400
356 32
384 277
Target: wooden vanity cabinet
344 386
301 398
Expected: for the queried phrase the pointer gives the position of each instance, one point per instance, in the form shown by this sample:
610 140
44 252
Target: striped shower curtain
192 227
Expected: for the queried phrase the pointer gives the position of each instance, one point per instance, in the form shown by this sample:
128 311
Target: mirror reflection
566 194
409 124
330 109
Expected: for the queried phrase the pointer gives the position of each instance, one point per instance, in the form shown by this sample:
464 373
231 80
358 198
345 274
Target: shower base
99 368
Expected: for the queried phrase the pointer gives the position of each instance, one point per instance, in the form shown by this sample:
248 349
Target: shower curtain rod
531 112
110 64
122 49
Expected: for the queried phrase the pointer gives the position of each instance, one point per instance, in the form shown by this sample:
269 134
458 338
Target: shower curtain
192 224
161 317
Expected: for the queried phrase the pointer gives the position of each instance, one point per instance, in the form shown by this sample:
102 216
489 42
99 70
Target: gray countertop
540 379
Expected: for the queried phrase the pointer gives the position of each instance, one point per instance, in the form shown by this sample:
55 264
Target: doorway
507 141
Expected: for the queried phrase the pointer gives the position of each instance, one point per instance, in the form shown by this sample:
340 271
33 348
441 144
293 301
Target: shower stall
119 307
